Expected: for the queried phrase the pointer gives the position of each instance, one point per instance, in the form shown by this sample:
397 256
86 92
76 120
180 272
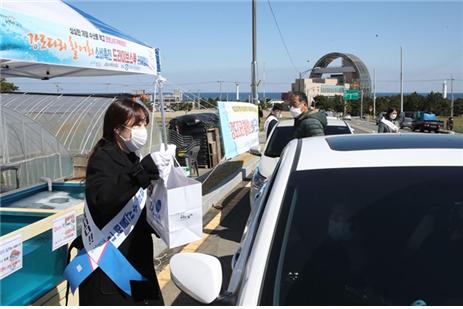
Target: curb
221 190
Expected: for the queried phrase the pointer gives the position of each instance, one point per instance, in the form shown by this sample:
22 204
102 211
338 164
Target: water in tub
50 200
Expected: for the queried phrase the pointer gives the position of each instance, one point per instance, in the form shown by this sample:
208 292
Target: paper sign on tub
11 256
64 230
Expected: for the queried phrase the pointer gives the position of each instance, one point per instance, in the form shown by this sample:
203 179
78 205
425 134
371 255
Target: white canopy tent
44 39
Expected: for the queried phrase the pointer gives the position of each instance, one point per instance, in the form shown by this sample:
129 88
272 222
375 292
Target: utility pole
401 82
361 103
199 100
451 96
237 84
254 96
300 82
374 93
220 89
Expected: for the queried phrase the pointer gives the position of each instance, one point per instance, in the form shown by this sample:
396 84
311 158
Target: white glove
164 160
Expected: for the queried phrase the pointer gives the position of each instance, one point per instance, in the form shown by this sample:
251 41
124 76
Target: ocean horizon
245 96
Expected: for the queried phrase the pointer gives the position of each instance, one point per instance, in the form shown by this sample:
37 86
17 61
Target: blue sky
202 42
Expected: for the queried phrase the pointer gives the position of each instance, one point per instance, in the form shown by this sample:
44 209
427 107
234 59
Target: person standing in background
272 119
388 124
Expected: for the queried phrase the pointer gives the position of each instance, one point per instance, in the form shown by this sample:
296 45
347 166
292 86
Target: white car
371 219
277 140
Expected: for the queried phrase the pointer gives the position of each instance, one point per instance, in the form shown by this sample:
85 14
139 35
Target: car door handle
235 257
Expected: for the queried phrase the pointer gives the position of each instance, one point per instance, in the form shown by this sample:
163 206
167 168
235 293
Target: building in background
329 80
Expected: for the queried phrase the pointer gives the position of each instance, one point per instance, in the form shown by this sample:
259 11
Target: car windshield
386 236
284 134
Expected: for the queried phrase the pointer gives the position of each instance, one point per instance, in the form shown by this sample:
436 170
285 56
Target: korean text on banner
239 125
33 39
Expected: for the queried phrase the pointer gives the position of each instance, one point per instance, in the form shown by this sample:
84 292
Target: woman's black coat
113 178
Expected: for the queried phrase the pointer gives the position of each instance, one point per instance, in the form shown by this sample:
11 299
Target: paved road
364 126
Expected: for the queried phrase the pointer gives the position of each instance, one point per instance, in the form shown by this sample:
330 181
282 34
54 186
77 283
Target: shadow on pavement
231 228
222 173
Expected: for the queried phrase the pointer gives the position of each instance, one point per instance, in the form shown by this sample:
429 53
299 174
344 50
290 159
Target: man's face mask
295 111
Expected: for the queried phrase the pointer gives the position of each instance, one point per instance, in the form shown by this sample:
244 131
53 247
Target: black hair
122 112
389 112
302 96
276 107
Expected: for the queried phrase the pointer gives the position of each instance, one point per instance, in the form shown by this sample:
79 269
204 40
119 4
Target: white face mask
393 116
138 139
295 111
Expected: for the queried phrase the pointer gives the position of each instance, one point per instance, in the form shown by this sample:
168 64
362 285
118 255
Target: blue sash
112 263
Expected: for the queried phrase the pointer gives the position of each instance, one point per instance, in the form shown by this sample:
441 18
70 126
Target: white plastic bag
175 207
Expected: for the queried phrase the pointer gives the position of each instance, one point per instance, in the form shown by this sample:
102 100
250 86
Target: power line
282 38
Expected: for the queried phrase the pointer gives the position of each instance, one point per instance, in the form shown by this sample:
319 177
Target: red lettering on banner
241 128
76 48
41 41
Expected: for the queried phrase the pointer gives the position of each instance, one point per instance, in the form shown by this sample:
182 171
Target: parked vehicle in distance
277 140
335 227
424 121
406 119
347 117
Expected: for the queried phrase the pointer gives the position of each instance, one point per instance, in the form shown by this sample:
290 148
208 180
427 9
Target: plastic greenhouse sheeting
41 133
76 121
32 150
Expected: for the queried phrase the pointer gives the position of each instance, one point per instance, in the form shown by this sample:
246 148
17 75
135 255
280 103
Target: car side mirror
255 150
198 275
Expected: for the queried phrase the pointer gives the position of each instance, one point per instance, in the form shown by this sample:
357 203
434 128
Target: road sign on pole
351 94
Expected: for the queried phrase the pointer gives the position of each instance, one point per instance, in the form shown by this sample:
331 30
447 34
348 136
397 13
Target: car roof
332 121
376 150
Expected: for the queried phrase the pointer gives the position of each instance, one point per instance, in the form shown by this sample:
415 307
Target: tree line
433 102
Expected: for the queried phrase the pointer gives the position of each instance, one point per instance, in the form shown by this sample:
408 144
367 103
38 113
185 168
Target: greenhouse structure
43 134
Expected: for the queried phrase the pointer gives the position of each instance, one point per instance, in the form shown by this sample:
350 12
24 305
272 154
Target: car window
283 135
336 130
387 236
279 139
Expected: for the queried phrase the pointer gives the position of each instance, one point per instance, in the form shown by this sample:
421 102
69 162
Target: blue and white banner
55 33
239 125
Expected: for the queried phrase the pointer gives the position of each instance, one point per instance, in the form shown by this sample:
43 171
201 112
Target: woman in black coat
114 174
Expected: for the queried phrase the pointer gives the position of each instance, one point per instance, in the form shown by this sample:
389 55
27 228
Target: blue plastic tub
42 268
62 196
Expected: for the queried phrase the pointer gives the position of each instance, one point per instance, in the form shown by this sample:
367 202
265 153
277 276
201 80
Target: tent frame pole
163 112
153 109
